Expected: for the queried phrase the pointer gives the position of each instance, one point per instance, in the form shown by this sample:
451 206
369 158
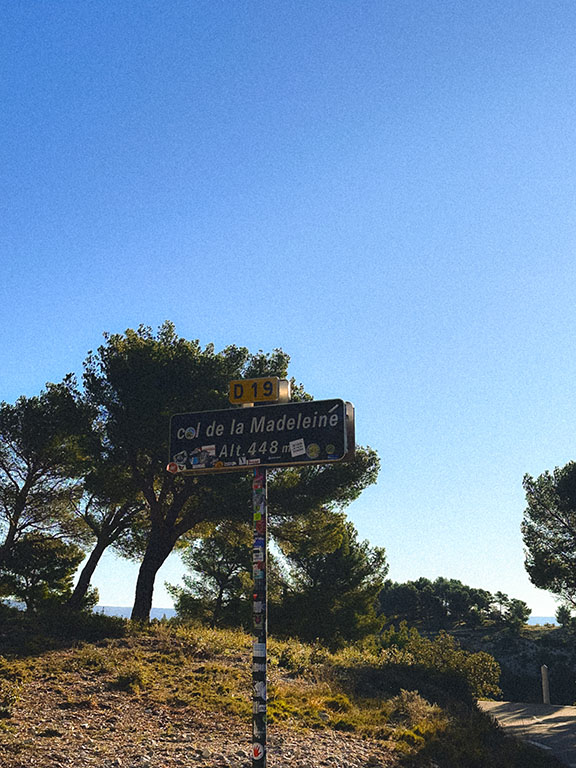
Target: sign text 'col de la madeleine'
313 432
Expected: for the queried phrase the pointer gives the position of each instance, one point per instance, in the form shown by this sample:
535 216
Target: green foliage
564 617
338 703
549 531
90 466
12 677
39 569
517 615
219 588
55 626
92 658
444 654
133 678
64 623
9 697
295 657
139 379
333 583
135 382
329 592
447 604
41 453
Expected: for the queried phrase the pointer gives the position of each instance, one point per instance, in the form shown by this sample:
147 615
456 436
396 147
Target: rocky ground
107 729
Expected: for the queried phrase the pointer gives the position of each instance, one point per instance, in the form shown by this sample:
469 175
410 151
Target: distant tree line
325 584
447 604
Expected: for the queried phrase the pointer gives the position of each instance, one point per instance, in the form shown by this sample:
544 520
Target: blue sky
386 190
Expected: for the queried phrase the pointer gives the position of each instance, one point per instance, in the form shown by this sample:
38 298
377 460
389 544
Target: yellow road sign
254 390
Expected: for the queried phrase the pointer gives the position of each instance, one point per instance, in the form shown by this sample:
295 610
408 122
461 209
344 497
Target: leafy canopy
42 454
549 531
333 582
38 569
135 381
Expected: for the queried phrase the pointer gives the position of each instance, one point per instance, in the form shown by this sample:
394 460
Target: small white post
545 684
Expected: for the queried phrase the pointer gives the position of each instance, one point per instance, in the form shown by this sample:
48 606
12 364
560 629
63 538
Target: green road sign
314 432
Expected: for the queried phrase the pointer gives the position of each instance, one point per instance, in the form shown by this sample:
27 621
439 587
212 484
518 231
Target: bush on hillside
443 653
22 633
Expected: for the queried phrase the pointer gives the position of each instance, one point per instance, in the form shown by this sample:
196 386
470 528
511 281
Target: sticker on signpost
258 571
260 690
297 447
258 751
259 650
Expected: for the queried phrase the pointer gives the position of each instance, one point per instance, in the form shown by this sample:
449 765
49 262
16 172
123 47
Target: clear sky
386 189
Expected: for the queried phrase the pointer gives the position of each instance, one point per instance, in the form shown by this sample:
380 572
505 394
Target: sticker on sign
297 447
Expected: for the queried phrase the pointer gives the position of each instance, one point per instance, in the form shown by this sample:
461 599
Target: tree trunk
160 544
6 546
217 613
81 588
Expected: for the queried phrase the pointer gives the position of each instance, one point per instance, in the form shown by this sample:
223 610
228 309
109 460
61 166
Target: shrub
443 654
338 703
64 623
9 695
133 679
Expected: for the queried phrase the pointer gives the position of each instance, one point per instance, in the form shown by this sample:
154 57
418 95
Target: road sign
254 390
288 434
313 432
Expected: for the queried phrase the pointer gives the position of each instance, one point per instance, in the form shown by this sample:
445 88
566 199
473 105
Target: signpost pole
259 656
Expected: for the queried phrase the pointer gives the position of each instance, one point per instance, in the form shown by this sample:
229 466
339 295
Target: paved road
547 726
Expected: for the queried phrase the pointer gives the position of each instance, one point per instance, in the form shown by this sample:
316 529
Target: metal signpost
260 632
240 439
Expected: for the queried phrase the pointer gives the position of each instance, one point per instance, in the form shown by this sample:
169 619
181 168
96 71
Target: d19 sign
254 390
315 432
